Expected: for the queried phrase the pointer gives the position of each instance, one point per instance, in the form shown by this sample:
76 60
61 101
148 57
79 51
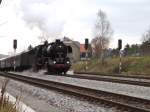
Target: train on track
51 56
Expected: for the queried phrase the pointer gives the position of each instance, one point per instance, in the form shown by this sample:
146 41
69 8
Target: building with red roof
83 52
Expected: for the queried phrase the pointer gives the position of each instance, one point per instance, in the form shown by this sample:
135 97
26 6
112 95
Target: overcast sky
26 20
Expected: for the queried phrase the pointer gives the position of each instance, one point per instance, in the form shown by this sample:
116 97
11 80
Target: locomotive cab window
69 49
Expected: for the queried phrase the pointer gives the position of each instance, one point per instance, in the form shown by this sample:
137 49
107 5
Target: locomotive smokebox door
15 44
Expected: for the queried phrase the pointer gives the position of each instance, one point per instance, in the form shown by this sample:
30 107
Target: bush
131 65
5 104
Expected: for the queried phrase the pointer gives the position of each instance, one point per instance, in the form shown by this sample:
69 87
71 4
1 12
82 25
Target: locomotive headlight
67 62
54 62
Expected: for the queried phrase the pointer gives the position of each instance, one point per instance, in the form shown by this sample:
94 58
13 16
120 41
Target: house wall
75 55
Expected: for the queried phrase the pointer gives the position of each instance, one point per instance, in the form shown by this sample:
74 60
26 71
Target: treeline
134 50
137 50
142 49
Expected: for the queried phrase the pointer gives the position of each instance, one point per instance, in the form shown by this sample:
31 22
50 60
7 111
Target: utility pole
15 47
119 48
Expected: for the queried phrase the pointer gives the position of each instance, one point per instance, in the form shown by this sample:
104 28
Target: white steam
45 15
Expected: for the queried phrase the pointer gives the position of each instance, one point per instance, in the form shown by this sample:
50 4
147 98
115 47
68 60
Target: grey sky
26 20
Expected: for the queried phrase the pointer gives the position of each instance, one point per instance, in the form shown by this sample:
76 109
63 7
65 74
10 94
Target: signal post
15 47
86 53
119 48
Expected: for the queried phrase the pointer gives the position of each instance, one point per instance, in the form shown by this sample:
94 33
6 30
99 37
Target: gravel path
132 90
42 100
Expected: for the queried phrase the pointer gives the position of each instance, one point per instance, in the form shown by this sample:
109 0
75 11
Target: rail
114 79
122 101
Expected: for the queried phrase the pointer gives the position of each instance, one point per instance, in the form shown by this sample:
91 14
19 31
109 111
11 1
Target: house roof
68 40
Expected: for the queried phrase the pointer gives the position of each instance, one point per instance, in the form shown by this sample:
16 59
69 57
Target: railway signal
119 44
15 47
15 44
119 48
86 44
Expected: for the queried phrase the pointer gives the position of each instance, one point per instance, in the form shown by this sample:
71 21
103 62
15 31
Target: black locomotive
50 56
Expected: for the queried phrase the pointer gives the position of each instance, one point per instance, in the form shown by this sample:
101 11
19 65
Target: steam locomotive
51 56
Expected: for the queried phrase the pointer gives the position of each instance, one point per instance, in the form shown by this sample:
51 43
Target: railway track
133 80
122 102
116 75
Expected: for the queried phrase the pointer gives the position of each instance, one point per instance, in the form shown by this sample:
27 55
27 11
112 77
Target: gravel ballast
42 100
126 89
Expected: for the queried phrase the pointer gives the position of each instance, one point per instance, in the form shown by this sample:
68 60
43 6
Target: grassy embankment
5 104
130 65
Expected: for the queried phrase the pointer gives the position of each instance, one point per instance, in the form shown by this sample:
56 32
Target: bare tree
146 36
146 43
102 35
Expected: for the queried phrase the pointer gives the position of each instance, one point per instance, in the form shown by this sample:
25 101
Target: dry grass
5 104
130 65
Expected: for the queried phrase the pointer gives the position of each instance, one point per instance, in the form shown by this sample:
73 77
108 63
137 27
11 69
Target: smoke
45 15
